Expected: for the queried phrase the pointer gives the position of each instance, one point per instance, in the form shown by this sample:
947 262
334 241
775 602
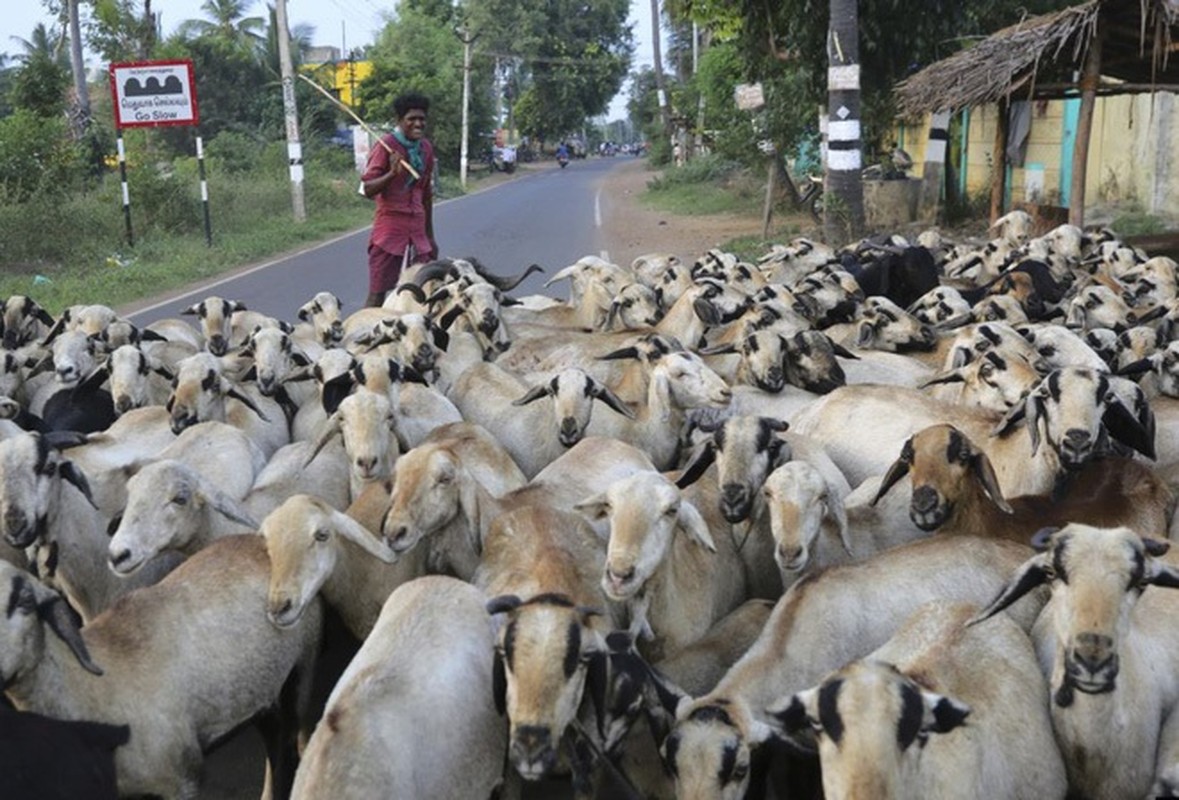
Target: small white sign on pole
149 94
749 96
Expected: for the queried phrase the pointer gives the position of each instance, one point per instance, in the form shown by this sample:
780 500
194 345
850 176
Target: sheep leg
279 727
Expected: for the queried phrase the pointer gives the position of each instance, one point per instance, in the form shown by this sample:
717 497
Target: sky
336 22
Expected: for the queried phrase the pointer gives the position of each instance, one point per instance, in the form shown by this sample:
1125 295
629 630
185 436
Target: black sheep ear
499 684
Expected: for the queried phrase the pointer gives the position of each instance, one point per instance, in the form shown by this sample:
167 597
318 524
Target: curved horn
413 289
617 355
898 470
435 270
505 283
567 272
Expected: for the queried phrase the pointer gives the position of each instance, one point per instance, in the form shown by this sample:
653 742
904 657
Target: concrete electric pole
467 39
290 111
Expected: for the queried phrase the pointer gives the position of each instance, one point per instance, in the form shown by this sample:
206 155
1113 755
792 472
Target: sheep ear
953 376
335 390
70 472
865 334
247 402
603 393
898 470
449 317
942 714
1034 572
229 508
597 682
362 537
533 394
838 512
842 351
1137 367
330 429
63 620
985 473
623 353
792 717
706 311
718 350
697 466
694 525
594 508
661 387
1127 429
499 683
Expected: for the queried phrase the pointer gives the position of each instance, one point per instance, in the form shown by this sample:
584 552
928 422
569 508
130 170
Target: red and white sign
149 94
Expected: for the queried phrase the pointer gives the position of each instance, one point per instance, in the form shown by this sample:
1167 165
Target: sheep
809 522
1108 648
321 317
1058 347
883 325
38 509
57 759
491 396
84 407
678 381
365 422
410 339
452 494
187 498
993 381
23 321
73 357
418 408
939 305
955 491
316 550
201 392
275 360
183 663
1075 408
214 315
288 472
540 568
937 711
819 625
138 379
662 562
413 714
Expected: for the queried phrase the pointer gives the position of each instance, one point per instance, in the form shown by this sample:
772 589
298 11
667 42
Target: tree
843 211
418 52
81 109
660 86
40 83
117 30
226 21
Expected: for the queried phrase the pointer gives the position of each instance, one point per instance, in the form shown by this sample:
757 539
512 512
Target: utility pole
290 111
81 110
467 39
843 210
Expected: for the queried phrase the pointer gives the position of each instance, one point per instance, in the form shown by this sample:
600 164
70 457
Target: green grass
1138 223
707 185
68 248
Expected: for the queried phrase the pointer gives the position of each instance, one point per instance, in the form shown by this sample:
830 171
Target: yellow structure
1133 154
340 77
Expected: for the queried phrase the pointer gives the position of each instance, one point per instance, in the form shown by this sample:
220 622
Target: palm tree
227 20
301 38
43 43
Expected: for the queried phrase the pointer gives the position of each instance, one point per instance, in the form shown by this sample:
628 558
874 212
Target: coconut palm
227 20
45 43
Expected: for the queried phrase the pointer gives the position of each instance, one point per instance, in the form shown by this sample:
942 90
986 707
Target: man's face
413 124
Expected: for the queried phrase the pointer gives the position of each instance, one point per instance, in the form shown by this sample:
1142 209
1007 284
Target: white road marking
598 209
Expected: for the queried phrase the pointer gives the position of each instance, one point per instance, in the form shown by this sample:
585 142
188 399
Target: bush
36 155
705 169
233 151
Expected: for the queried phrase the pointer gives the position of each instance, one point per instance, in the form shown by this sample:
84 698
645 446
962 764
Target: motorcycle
563 160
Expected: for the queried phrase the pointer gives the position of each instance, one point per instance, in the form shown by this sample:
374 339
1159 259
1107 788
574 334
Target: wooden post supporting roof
1089 78
999 160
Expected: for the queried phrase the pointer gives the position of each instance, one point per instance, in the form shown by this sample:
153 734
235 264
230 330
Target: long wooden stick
408 167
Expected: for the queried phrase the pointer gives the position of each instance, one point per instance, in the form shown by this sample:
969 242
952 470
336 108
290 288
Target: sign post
154 94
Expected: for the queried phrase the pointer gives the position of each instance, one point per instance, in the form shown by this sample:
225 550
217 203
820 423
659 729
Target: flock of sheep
888 521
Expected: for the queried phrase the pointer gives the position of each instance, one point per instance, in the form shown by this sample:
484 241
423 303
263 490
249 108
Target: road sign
150 94
749 96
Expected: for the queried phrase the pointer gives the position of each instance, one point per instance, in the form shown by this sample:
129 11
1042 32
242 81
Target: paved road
549 217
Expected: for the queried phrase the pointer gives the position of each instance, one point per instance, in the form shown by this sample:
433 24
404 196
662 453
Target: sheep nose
266 384
621 576
337 331
1094 652
17 528
1075 446
120 558
124 403
10 340
927 335
787 556
396 537
734 502
366 465
532 751
569 433
217 345
924 499
65 374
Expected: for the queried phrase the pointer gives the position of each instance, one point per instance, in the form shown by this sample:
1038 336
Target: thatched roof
1037 57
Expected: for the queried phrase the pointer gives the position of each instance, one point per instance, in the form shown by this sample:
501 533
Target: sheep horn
567 272
413 289
505 283
435 270
616 355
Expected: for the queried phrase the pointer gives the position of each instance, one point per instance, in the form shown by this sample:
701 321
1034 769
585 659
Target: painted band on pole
123 181
200 145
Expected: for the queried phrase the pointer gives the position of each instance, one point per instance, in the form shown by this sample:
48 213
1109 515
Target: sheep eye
670 512
739 772
180 500
321 534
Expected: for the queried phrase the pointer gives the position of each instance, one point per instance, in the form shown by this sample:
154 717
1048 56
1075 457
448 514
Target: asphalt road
549 217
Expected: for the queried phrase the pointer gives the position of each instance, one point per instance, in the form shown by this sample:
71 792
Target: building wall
1133 154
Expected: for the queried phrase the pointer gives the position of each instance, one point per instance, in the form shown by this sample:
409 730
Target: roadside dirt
633 228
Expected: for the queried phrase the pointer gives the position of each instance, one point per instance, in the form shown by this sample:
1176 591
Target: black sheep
53 759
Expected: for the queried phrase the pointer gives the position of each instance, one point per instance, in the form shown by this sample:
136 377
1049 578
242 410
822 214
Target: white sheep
413 714
184 663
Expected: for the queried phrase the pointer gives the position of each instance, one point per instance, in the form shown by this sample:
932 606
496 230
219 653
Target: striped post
123 180
935 160
204 190
843 211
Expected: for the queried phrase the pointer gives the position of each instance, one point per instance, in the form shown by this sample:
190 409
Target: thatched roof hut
1111 46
